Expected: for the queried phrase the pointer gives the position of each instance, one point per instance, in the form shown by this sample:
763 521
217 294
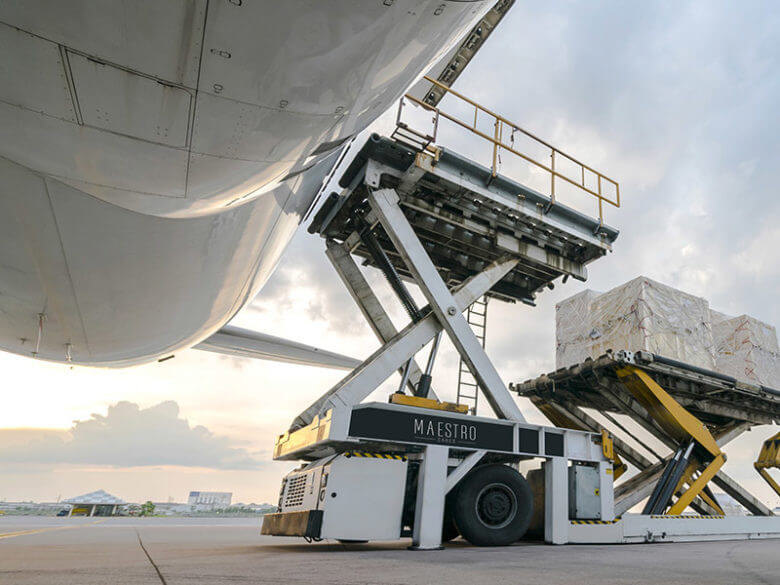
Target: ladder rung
476 317
405 128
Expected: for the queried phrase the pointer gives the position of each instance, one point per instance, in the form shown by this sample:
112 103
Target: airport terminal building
210 500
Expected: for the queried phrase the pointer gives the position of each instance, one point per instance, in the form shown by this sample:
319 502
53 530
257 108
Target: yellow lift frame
702 453
768 458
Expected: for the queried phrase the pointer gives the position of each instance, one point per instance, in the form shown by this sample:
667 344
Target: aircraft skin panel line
156 158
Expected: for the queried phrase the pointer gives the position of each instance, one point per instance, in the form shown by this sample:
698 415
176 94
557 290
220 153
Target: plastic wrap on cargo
639 315
573 328
746 349
646 315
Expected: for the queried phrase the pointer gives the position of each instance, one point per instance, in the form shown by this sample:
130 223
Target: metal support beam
632 491
736 491
429 510
384 202
556 500
632 408
769 458
368 303
359 383
461 470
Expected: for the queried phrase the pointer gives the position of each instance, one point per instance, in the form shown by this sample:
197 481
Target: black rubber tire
494 506
449 530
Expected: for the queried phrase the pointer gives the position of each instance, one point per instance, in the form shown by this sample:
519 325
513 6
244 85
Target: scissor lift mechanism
414 217
693 411
459 233
769 458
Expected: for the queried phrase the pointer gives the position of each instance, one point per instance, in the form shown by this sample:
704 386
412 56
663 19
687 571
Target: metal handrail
499 123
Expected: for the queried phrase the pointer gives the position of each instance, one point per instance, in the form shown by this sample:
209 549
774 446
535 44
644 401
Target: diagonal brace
364 379
369 304
385 203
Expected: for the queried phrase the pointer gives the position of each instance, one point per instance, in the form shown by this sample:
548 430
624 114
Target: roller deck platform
714 398
716 407
466 218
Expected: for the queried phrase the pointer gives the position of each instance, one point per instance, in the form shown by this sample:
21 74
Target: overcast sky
677 101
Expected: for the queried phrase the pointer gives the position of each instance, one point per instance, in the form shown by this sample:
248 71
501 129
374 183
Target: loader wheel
449 530
494 506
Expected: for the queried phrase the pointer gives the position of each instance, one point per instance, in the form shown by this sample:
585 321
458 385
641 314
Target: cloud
130 436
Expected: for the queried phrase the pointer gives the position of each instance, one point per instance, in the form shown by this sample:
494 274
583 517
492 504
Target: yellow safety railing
503 127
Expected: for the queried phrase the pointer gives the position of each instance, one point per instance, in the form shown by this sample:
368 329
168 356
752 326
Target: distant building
171 509
97 503
210 500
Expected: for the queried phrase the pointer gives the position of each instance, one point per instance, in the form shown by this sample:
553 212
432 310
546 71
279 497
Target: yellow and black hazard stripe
375 455
616 520
689 517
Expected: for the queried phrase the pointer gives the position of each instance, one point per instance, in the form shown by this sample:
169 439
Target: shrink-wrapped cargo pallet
573 329
746 349
643 314
639 315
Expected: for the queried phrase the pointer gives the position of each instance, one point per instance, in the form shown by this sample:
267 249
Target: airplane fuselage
157 157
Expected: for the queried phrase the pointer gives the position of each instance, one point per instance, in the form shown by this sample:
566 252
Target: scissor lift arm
698 453
769 458
692 411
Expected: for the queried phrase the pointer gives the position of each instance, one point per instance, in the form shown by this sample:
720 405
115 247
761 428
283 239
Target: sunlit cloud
130 436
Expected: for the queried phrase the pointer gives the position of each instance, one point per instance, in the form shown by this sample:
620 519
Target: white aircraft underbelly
157 157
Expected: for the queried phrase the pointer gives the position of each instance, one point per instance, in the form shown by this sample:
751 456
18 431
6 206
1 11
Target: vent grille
296 487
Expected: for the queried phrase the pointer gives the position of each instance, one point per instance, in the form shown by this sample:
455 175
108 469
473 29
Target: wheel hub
496 505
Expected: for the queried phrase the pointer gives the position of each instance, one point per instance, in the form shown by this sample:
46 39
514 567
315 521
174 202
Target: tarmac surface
193 551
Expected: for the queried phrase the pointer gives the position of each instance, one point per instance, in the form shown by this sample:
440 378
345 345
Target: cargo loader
422 468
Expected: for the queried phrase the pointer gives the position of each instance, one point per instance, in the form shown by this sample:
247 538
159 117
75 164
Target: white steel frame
399 347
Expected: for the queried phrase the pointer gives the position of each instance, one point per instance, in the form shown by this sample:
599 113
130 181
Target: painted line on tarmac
51 529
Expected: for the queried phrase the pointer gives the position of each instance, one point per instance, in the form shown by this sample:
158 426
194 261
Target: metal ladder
468 389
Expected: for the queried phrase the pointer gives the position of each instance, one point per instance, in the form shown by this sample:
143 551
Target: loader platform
466 218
